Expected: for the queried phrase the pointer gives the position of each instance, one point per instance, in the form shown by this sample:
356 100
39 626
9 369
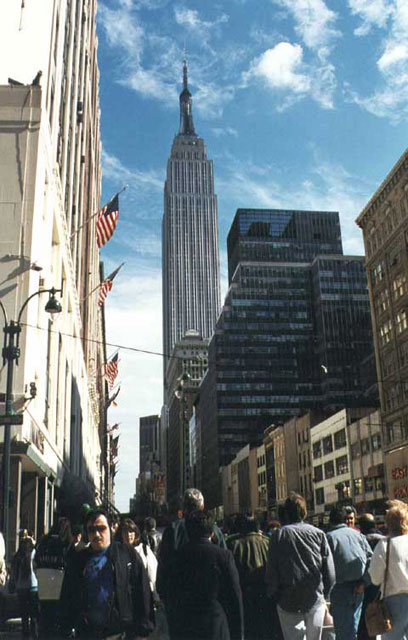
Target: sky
303 104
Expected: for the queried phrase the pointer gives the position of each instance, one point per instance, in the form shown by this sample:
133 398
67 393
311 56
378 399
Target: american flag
112 400
110 430
111 370
107 285
106 221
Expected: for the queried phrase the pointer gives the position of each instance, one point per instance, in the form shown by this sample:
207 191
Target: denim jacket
351 554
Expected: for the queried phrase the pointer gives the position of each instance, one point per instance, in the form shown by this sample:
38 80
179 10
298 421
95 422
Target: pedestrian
351 555
150 534
24 582
105 593
250 550
49 566
204 600
176 535
129 533
396 589
373 535
299 572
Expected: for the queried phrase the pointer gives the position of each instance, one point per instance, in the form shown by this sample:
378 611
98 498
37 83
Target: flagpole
97 286
95 214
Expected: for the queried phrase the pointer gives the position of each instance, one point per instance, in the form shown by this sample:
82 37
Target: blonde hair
396 518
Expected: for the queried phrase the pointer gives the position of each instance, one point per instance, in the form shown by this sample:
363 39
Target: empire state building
191 280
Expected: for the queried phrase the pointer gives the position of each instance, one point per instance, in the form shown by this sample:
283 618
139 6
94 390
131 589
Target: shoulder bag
377 615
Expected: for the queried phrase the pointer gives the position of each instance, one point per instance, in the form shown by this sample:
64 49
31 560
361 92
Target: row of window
325 446
365 445
342 467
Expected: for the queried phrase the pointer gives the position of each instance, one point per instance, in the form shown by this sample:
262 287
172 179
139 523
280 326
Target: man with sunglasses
105 593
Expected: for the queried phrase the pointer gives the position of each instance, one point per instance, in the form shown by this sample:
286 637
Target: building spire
186 114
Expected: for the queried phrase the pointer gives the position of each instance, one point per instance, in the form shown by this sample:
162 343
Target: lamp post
11 353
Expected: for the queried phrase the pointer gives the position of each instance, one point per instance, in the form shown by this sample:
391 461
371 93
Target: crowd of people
113 580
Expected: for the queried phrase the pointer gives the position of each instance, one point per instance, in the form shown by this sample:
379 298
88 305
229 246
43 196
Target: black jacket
204 599
130 606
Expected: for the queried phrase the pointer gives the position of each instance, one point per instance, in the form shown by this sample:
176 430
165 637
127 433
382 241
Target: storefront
397 473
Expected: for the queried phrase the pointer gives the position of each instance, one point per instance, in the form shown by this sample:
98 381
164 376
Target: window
376 442
319 493
329 469
365 446
341 465
327 444
317 449
340 439
358 486
368 484
318 473
355 450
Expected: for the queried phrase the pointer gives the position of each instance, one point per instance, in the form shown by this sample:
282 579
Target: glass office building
291 336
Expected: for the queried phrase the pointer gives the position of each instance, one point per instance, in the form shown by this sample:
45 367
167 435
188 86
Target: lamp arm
4 313
37 293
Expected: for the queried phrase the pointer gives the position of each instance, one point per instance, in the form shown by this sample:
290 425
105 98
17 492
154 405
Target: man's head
295 508
337 516
366 522
76 533
193 501
199 524
350 516
98 529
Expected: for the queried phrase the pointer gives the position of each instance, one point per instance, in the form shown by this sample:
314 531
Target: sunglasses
98 528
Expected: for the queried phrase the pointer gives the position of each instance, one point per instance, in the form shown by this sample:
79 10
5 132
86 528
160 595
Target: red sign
401 492
399 472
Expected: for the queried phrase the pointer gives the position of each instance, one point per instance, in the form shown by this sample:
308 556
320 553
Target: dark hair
149 524
337 515
199 524
295 507
76 530
246 525
127 524
93 514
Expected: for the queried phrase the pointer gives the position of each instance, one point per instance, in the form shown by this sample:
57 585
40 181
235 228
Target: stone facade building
50 178
384 221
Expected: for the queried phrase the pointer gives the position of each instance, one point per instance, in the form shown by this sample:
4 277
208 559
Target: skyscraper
291 336
191 287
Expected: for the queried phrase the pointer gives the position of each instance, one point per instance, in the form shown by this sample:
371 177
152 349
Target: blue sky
302 104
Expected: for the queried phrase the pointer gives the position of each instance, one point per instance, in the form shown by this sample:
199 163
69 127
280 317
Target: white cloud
281 68
373 13
224 131
313 23
326 187
115 170
389 100
122 31
191 18
393 55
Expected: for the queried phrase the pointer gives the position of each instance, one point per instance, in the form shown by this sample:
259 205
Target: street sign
14 419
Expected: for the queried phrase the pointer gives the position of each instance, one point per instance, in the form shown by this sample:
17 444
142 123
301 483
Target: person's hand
359 588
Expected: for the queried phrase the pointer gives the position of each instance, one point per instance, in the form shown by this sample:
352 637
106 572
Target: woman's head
129 532
396 518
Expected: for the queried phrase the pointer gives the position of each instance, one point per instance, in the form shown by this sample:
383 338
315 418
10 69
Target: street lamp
11 353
